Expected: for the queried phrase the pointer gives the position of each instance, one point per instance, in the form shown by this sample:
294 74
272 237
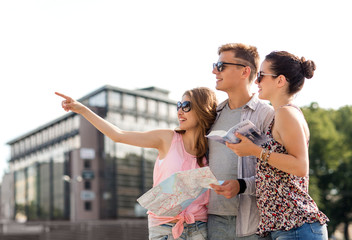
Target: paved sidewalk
121 229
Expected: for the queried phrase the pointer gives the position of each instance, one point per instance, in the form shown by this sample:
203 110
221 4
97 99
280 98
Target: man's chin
219 88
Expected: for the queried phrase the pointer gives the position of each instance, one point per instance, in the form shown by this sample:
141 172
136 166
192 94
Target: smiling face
187 120
266 84
230 77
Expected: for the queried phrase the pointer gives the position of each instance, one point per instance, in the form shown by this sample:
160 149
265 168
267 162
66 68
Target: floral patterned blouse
282 198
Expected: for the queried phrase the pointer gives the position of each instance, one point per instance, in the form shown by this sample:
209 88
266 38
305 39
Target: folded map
174 194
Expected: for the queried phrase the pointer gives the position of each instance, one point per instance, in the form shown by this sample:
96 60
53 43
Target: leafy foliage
330 154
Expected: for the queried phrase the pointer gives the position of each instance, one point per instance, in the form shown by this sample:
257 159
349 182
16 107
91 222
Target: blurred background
130 61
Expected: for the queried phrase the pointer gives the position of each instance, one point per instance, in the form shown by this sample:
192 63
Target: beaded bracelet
267 156
262 154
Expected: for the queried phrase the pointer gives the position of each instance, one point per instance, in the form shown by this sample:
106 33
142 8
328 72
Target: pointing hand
69 104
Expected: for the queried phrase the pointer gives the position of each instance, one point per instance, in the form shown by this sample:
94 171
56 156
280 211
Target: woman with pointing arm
179 150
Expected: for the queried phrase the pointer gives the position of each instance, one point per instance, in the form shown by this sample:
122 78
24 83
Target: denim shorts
309 231
224 228
194 231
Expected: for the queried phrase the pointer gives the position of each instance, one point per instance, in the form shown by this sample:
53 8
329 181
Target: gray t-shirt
223 163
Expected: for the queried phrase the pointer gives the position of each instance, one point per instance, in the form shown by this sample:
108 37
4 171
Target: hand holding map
174 194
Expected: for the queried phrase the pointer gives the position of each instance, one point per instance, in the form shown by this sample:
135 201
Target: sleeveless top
282 198
176 160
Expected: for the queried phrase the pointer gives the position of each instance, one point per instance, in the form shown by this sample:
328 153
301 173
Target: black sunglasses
185 106
220 65
260 76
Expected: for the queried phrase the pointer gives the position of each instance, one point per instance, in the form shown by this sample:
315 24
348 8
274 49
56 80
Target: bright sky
77 46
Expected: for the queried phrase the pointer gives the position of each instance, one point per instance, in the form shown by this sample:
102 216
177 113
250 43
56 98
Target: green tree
330 162
342 178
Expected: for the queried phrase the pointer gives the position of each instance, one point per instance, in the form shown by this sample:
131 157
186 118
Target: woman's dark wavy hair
204 103
294 69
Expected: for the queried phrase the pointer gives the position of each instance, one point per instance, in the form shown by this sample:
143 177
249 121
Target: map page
174 194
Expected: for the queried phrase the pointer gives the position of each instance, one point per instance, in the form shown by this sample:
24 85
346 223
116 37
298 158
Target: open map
177 192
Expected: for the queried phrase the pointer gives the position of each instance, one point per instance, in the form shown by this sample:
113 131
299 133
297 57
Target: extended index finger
62 95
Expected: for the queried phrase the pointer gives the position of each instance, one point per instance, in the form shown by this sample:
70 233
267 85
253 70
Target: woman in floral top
286 209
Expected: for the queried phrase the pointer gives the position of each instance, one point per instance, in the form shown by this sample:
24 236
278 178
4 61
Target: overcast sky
77 46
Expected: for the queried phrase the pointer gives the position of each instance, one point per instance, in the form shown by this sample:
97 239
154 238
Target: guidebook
246 128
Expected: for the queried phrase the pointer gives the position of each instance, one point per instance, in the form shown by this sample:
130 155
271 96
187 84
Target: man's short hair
246 54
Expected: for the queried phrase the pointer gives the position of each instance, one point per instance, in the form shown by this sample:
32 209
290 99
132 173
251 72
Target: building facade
68 170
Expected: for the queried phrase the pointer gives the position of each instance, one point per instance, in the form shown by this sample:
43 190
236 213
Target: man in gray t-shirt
227 168
236 215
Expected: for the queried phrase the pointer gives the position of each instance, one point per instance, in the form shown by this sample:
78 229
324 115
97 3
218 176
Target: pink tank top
176 160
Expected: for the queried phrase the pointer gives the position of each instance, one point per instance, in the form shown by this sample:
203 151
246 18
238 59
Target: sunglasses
185 106
220 65
260 76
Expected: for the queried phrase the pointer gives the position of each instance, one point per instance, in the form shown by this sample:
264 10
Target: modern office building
66 169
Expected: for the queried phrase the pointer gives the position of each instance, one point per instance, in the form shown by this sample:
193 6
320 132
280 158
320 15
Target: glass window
115 99
40 137
128 101
13 151
163 109
109 146
65 126
98 100
32 174
114 118
87 164
32 192
153 123
87 185
141 124
128 123
58 188
20 185
56 130
75 120
45 135
21 146
51 133
141 104
152 106
59 128
17 148
27 144
20 197
163 125
87 206
33 141
44 190
172 111
75 142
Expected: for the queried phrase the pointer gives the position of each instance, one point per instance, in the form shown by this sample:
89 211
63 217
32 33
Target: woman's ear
281 81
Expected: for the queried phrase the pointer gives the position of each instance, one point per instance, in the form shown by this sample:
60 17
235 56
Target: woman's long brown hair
204 103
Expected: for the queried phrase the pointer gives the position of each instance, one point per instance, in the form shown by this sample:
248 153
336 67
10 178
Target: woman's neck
280 101
189 142
279 105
